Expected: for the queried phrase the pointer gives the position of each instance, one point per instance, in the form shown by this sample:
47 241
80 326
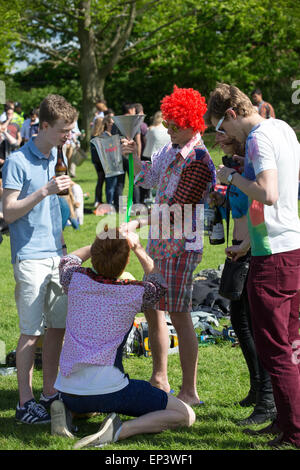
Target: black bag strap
227 208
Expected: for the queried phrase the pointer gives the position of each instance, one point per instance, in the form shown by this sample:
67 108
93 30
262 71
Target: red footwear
280 444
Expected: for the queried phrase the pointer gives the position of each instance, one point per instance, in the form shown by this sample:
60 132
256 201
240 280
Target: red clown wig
186 107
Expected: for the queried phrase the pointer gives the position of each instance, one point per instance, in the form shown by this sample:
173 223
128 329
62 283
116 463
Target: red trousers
273 290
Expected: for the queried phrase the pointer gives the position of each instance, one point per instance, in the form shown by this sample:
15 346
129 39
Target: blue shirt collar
37 153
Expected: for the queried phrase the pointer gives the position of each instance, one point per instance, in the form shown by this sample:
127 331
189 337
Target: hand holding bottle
61 170
215 199
58 185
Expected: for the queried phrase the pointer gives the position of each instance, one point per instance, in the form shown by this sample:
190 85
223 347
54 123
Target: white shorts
39 296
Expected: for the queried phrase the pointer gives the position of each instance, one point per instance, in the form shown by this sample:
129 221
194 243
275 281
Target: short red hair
186 107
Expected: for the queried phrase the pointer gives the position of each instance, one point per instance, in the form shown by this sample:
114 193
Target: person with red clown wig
181 172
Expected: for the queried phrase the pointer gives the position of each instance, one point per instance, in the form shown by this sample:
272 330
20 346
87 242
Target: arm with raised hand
14 208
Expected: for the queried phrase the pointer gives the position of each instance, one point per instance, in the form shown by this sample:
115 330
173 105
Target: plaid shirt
266 110
181 177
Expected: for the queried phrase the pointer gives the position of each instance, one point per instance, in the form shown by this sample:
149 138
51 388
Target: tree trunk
92 88
92 74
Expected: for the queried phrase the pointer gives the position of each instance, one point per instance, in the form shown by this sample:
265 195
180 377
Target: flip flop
200 403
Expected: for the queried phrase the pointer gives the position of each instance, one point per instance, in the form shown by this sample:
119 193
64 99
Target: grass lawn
222 377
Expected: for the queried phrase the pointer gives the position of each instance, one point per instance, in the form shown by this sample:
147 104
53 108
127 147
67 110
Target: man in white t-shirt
273 151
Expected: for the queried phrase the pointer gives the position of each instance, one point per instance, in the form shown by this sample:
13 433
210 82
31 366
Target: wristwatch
229 177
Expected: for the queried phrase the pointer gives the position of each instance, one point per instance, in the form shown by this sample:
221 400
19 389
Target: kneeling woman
101 311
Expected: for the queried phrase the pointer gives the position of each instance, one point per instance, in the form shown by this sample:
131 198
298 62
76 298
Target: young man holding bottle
32 210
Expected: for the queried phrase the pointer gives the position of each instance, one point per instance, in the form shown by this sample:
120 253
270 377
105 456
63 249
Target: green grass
222 376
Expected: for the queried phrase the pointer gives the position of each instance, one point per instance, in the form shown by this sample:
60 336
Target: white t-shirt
156 138
273 145
92 380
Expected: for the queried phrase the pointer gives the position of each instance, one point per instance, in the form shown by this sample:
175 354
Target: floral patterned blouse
101 313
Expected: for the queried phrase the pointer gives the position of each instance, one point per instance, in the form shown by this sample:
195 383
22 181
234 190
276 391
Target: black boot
249 400
264 410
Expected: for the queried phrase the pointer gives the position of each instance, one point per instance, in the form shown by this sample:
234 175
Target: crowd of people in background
17 127
148 140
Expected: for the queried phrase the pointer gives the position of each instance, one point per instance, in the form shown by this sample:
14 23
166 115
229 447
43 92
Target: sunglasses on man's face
174 128
219 125
217 128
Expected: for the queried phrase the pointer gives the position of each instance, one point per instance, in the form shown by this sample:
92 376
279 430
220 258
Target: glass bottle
209 213
61 169
216 235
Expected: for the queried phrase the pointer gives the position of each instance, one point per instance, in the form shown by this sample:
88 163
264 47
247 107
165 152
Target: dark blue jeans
110 188
136 399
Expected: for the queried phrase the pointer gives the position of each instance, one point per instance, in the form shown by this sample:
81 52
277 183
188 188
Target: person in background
78 202
32 210
101 108
264 108
10 136
96 132
128 109
8 105
157 136
30 126
3 225
143 193
109 111
70 147
103 129
18 115
144 128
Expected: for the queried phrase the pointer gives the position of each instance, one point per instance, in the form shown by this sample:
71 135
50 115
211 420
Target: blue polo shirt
37 234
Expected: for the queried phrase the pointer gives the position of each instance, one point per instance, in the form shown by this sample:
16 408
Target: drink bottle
216 235
61 169
209 213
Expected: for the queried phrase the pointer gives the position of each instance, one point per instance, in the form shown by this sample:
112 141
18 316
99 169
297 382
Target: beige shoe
61 419
106 434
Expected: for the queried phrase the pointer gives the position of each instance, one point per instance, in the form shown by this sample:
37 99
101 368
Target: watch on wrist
229 177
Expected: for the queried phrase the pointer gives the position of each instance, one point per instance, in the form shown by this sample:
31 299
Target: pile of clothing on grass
208 307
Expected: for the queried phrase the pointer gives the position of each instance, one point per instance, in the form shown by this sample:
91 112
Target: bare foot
162 385
189 399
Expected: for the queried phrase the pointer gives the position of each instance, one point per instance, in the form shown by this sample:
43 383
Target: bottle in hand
61 169
216 235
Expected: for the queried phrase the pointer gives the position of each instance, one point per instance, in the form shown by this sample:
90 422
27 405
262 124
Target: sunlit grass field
222 376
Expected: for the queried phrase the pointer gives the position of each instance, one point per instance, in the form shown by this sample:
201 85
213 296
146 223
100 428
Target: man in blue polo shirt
31 208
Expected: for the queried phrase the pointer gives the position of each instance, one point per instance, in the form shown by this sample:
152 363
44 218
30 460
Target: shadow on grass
23 435
9 399
209 435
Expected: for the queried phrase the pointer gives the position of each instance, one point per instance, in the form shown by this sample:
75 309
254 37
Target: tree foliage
137 49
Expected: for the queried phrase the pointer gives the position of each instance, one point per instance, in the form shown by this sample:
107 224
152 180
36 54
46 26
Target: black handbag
234 274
